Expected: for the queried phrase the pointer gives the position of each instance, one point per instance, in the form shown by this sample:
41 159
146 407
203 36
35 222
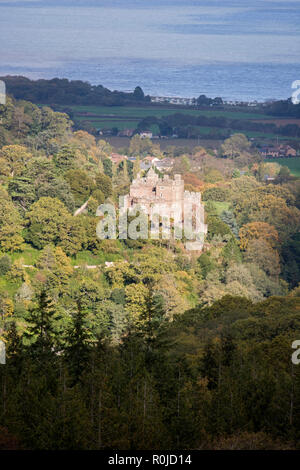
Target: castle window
160 194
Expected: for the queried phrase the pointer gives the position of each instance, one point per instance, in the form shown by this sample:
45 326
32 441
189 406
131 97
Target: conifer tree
77 349
41 327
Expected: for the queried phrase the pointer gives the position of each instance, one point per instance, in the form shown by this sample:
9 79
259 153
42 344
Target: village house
166 164
145 166
116 158
268 179
151 159
174 100
146 135
126 133
278 151
148 162
105 132
291 152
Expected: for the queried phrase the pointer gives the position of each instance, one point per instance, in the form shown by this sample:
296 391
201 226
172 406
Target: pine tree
77 350
210 366
41 329
228 348
229 219
14 346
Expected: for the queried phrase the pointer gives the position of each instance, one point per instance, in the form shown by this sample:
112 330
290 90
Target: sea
237 49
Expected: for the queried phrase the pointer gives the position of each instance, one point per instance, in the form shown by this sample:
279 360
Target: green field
126 117
145 111
207 131
109 124
292 163
264 135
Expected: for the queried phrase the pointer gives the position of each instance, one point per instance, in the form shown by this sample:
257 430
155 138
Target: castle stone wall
152 192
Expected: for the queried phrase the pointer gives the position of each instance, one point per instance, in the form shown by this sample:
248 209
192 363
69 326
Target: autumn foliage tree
256 230
11 238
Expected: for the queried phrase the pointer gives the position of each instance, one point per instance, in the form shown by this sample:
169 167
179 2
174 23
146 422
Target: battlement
152 178
166 195
192 197
152 189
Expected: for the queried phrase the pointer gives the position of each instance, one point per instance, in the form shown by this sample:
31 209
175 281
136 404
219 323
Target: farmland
292 163
117 112
119 118
123 142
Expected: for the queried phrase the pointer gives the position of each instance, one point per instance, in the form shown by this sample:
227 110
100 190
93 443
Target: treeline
186 126
284 108
69 92
204 101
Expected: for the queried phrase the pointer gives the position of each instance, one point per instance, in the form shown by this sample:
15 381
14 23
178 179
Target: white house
146 135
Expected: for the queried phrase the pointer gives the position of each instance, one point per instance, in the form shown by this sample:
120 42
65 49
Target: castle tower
152 192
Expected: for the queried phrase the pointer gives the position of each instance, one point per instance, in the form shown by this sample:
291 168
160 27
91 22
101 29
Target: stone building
166 196
116 158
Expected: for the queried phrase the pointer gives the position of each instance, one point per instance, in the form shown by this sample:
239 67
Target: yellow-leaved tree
11 238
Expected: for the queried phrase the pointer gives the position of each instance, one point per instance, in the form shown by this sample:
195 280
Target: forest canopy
141 344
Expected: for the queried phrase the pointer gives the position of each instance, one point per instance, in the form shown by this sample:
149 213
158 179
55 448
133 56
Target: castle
168 195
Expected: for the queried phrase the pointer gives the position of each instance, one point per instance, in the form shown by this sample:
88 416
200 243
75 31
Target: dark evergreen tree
41 331
229 219
77 342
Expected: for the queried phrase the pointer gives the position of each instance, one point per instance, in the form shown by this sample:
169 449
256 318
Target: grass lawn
219 206
86 257
28 256
292 163
9 287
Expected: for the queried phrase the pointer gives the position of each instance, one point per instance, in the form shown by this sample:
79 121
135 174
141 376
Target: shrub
5 265
215 194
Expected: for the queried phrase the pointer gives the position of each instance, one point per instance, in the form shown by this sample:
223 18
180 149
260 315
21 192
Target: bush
213 176
215 194
118 296
206 264
217 227
5 265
